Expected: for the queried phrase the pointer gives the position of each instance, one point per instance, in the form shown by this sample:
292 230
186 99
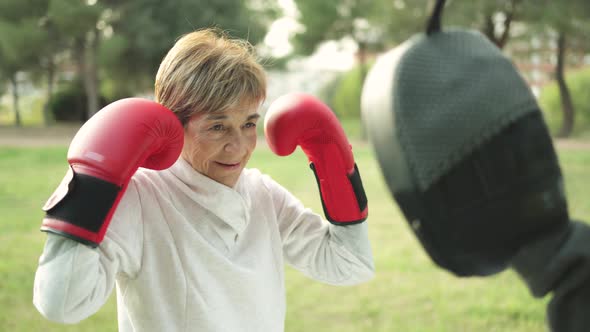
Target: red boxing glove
104 154
300 119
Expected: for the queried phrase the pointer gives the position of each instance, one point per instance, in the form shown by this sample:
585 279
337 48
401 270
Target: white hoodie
189 254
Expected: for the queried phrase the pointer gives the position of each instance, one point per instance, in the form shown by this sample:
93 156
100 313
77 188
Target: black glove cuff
359 193
87 202
359 190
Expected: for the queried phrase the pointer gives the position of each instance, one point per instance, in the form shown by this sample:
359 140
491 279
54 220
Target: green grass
408 293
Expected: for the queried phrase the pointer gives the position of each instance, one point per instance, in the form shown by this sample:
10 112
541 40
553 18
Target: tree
494 18
55 45
122 40
566 23
334 20
74 22
142 31
20 37
402 19
563 22
48 62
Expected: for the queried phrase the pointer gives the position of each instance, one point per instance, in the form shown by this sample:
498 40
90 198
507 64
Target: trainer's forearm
560 264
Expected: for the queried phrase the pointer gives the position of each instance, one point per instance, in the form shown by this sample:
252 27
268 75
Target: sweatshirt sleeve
73 281
560 264
337 255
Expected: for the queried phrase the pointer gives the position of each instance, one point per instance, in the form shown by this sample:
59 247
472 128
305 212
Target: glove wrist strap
85 208
359 195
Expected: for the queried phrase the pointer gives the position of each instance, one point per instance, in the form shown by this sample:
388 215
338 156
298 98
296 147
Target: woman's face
219 145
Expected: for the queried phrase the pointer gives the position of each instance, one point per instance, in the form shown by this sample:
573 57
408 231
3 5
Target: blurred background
62 60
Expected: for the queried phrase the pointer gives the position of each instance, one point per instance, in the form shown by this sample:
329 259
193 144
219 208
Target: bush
113 89
550 101
347 96
68 104
328 91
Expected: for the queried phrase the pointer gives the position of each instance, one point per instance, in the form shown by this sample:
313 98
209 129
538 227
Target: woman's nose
234 142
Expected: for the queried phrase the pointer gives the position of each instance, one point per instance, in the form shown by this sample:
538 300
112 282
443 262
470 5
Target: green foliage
117 82
144 31
347 97
20 36
331 20
69 103
343 95
402 19
550 101
112 89
328 91
73 17
346 100
317 26
132 36
474 13
570 17
19 8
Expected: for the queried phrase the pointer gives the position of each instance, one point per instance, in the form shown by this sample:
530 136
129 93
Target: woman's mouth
228 166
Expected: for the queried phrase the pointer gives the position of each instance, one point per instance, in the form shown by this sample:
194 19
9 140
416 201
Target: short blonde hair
207 71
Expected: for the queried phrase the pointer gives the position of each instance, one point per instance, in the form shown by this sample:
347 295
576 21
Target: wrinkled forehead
244 112
236 113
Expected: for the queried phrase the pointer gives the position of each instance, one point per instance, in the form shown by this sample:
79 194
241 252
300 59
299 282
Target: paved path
37 137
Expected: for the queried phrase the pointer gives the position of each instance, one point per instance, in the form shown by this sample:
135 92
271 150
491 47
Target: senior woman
198 246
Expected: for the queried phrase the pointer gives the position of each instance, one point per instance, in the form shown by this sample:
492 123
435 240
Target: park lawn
408 294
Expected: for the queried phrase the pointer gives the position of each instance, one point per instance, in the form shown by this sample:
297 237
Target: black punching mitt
464 150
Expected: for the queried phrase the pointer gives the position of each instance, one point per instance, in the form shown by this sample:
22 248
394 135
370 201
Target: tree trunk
15 97
50 78
510 14
79 54
489 28
567 105
362 58
503 39
91 73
